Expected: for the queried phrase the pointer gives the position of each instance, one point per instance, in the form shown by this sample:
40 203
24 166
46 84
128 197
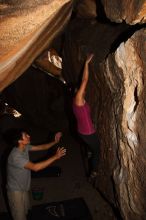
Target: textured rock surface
125 73
116 93
27 29
131 11
86 8
85 36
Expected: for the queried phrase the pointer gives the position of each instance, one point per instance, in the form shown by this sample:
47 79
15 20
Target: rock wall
27 29
82 37
130 11
86 8
125 73
116 93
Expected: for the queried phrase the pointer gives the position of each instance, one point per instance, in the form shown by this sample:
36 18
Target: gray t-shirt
18 178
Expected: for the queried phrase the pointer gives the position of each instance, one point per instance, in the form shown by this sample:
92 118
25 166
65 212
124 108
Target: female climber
85 125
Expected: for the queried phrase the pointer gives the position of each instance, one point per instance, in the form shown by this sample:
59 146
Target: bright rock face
27 28
130 11
125 73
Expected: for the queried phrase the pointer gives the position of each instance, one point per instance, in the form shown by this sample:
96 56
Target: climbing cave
43 47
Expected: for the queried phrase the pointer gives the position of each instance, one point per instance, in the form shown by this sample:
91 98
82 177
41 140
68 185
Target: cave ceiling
27 28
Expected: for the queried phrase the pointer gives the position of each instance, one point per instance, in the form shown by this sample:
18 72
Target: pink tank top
83 117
